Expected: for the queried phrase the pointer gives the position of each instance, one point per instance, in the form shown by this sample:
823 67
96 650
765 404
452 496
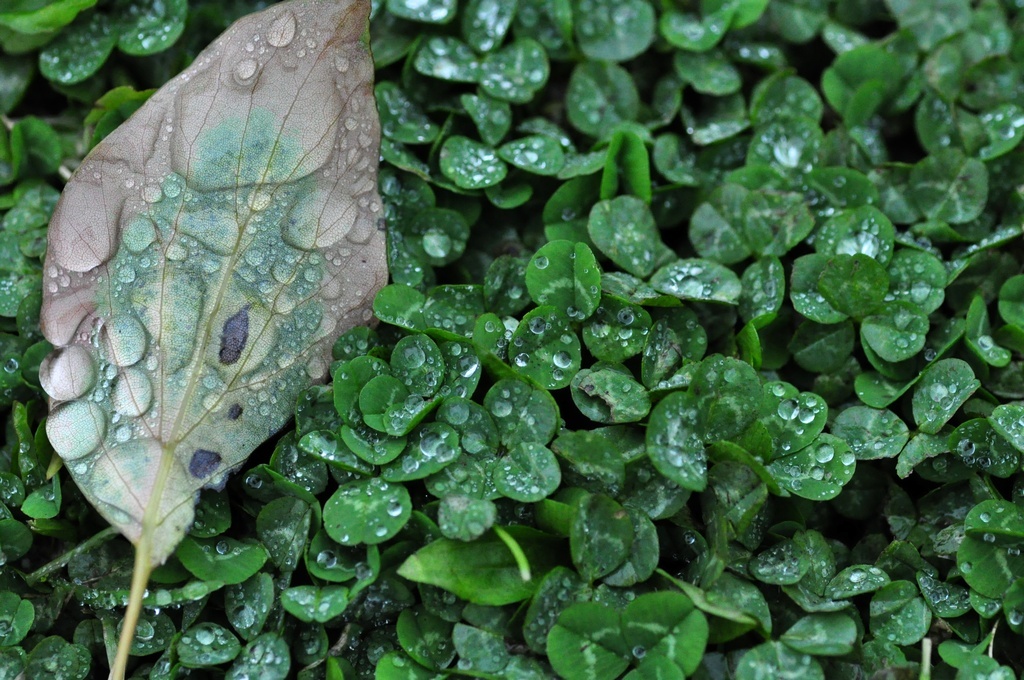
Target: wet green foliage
702 355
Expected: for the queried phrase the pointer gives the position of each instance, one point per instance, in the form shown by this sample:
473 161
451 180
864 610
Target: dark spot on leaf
203 463
234 336
234 411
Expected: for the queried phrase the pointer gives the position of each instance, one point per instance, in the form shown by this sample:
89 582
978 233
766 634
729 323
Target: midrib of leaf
151 520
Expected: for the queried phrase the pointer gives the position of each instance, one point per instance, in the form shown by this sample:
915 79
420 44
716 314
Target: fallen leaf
203 258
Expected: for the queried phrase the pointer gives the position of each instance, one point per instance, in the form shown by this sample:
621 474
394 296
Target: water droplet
282 30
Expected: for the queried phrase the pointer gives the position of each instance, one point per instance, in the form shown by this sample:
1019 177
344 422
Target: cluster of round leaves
673 315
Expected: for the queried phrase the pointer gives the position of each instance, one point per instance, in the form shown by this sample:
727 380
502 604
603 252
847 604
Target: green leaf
617 330
697 279
223 559
674 444
820 348
818 471
805 293
856 580
623 229
722 119
428 12
784 95
310 603
401 118
484 571
587 642
283 528
426 637
789 145
727 395
776 660
949 186
871 433
1011 300
151 26
600 536
931 22
827 634
529 473
1008 421
485 23
775 222
207 644
675 160
979 446
538 154
899 614
484 650
34 18
544 347
665 626
1003 125
792 418
690 32
854 284
366 511
607 30
784 563
716 228
493 117
864 230
447 58
44 502
565 275
18 74
71 661
919 278
594 456
707 72
610 394
470 164
945 599
15 539
600 96
266 656
989 557
764 289
515 73
17 616
942 389
80 52
797 20
522 413
897 333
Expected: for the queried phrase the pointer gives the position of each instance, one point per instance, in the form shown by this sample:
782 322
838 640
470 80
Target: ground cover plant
701 355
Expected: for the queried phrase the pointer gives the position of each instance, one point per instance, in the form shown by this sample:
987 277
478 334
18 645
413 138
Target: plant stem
140 579
43 572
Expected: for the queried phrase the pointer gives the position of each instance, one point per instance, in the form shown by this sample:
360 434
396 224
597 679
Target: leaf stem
143 567
140 579
43 572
